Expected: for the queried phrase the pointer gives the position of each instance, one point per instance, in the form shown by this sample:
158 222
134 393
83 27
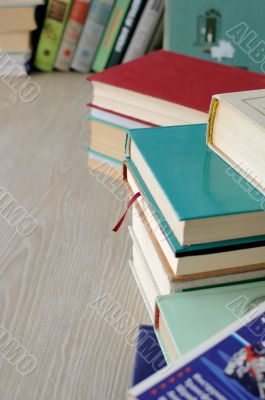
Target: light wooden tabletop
55 281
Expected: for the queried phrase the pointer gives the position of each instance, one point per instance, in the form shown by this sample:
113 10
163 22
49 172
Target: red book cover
179 79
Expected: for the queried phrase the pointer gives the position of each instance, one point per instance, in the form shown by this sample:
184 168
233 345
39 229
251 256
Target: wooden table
49 280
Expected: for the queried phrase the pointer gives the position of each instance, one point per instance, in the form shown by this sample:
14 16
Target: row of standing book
85 34
193 133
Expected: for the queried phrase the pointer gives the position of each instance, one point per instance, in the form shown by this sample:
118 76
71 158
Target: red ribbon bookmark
118 225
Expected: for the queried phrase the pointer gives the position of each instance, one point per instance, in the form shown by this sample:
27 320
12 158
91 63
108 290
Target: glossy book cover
230 366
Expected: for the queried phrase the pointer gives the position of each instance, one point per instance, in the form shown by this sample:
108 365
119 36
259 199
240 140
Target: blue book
229 366
201 197
148 356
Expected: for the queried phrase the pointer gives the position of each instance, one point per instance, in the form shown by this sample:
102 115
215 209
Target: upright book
164 88
236 132
111 33
145 30
51 35
230 365
126 32
191 185
91 34
227 32
71 34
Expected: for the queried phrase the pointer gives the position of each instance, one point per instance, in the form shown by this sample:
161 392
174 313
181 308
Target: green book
186 319
51 34
202 199
223 31
110 35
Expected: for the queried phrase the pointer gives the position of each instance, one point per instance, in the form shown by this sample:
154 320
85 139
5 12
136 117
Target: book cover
51 35
202 178
220 305
148 355
177 248
126 32
91 34
71 34
179 79
110 35
145 30
228 366
224 31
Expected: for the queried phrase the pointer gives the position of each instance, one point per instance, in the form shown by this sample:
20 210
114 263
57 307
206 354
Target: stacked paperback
93 35
199 246
159 89
17 22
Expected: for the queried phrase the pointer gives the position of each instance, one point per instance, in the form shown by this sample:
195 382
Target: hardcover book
145 30
72 33
196 194
110 35
165 88
91 34
223 31
177 313
230 365
51 35
126 32
236 132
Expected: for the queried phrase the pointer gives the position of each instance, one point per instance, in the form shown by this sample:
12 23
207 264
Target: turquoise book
202 199
186 319
223 31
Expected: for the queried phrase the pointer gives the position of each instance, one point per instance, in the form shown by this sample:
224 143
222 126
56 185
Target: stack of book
93 35
199 239
159 89
17 22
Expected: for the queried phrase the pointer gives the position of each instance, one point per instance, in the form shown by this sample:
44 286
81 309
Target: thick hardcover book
229 366
145 30
51 35
71 34
192 185
126 32
111 33
13 19
236 132
177 313
166 88
148 355
91 34
225 31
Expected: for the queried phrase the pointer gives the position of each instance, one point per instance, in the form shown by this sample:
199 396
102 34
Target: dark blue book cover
230 366
148 355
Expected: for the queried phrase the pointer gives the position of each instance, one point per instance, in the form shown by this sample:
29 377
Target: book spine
51 35
145 30
71 34
110 35
212 114
167 25
91 35
126 32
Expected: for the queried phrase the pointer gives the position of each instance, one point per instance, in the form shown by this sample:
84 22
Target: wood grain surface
50 279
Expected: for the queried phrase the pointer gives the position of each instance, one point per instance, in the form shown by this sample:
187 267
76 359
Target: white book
236 132
145 30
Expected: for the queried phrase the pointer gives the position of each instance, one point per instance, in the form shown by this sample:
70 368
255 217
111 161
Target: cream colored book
236 132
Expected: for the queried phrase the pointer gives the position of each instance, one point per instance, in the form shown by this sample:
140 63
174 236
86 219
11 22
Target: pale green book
111 33
51 34
186 319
